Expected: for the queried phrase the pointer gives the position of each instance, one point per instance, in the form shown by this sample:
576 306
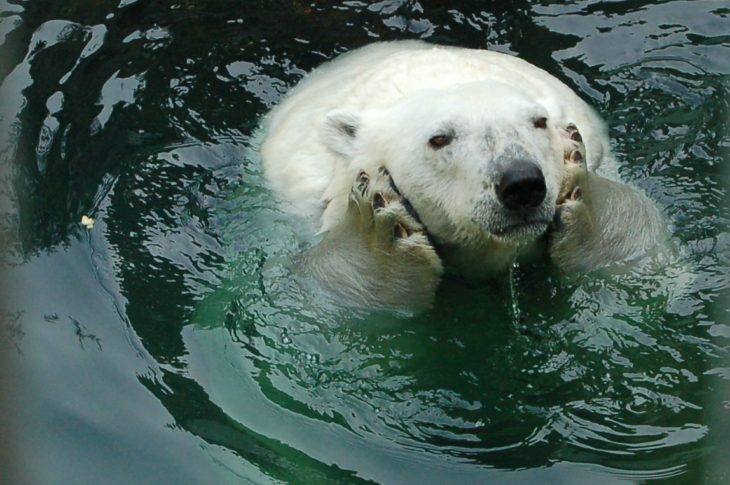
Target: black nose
522 186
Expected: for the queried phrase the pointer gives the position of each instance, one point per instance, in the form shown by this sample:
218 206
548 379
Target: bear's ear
339 131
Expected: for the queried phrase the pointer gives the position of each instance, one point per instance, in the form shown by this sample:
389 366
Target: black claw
399 232
574 133
378 201
362 177
576 194
363 180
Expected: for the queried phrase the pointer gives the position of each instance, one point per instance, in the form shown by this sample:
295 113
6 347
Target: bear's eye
439 141
540 122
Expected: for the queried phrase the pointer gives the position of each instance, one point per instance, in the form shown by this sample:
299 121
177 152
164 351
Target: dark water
163 346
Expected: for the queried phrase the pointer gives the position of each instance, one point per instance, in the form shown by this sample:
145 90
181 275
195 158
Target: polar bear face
479 162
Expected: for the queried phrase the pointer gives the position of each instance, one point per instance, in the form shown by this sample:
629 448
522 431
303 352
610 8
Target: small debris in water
87 222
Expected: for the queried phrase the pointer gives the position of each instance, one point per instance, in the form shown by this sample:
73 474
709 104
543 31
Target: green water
165 346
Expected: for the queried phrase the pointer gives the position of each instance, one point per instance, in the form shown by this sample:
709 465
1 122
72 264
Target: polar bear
418 157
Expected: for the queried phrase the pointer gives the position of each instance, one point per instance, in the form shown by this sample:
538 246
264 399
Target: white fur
380 105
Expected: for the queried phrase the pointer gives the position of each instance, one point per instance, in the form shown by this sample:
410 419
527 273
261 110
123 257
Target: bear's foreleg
599 221
379 255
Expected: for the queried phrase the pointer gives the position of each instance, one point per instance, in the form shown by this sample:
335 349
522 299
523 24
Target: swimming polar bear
417 157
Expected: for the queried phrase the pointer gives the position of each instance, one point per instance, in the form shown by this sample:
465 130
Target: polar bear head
481 162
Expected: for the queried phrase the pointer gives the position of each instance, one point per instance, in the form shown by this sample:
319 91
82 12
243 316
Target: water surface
164 345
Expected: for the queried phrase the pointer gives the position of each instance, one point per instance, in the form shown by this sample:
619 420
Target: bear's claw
574 163
361 182
379 254
573 133
380 204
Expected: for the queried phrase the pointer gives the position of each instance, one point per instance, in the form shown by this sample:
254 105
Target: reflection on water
167 337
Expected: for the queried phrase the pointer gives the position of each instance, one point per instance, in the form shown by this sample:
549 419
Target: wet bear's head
481 163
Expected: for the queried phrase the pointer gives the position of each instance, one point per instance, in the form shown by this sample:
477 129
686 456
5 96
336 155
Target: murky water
164 345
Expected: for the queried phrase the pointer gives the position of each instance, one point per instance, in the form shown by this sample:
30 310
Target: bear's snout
521 186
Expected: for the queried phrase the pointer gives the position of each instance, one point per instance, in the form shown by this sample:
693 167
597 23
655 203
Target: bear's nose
522 186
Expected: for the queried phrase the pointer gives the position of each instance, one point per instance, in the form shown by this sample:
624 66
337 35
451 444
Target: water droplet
514 297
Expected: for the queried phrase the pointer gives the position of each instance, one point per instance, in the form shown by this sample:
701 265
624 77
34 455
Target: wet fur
377 256
610 222
357 114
